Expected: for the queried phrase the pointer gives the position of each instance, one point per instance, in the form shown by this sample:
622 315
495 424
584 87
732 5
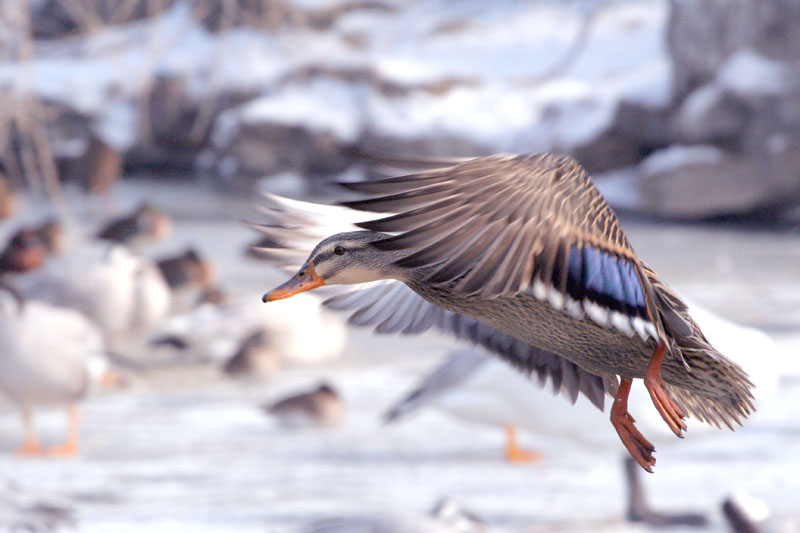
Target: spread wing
501 225
391 307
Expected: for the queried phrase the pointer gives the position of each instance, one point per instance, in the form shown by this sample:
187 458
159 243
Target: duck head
53 236
342 259
25 251
152 222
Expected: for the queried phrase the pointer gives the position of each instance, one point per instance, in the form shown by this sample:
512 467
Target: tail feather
710 387
718 391
714 411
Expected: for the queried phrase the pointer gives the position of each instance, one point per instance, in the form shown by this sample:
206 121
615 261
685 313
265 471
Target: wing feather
499 225
409 313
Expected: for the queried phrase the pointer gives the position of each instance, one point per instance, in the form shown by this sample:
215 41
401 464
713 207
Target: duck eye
339 250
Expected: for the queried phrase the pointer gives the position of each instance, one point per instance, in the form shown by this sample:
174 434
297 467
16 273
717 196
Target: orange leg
31 445
111 380
670 411
639 447
514 453
70 446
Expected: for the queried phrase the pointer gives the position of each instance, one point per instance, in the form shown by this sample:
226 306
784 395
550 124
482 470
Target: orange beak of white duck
305 280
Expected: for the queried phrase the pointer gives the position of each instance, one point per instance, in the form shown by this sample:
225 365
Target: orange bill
305 280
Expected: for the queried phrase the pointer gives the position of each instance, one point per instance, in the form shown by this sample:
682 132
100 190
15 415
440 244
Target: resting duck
321 407
122 293
256 357
147 223
52 369
24 252
186 270
30 246
522 255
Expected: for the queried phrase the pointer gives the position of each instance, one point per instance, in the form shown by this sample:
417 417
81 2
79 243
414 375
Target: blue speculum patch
605 279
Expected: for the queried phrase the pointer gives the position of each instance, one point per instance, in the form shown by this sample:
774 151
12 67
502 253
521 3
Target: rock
701 181
307 129
702 34
745 513
54 19
275 14
177 127
737 94
711 115
634 132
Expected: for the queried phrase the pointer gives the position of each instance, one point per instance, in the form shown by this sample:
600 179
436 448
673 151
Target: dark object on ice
320 407
255 357
173 341
188 269
146 223
745 514
212 295
25 251
28 248
639 510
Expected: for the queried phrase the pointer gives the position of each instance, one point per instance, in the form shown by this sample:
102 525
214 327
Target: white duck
51 356
474 386
124 294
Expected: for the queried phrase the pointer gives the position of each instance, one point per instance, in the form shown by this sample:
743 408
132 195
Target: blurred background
137 135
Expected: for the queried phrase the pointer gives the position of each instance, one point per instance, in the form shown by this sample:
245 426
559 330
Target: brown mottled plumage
523 255
320 407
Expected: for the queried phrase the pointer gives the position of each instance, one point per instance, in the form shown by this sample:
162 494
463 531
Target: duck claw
637 445
669 410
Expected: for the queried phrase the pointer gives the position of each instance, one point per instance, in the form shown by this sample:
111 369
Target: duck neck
388 268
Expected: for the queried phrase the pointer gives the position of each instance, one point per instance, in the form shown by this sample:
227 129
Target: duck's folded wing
501 225
391 307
